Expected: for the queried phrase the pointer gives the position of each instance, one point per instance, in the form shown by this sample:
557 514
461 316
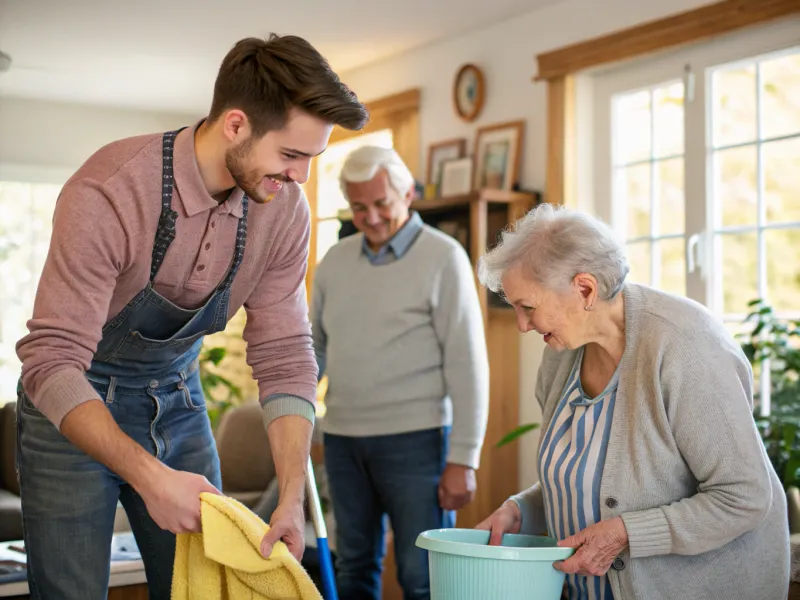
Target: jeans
69 500
374 477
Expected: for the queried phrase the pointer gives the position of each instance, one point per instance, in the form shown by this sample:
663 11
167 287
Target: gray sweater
402 343
686 469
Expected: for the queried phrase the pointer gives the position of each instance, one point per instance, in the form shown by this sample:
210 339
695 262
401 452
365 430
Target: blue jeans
69 500
374 477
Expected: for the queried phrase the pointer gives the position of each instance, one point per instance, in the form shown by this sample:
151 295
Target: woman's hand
506 519
596 548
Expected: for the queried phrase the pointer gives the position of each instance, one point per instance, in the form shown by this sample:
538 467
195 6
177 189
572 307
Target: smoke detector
5 61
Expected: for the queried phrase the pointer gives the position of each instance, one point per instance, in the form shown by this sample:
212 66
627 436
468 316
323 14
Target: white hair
364 163
552 244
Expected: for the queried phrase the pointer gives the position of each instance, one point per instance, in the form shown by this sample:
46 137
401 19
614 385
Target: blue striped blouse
571 467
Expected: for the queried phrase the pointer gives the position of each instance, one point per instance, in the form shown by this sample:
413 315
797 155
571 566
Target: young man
157 241
398 329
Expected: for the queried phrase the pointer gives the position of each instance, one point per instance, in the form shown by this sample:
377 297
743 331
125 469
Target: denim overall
146 371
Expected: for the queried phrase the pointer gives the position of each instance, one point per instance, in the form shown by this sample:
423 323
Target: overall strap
166 222
238 252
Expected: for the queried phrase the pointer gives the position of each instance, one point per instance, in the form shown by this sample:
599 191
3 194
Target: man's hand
597 547
173 499
287 525
456 487
290 441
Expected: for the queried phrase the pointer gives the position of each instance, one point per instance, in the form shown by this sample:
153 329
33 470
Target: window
330 201
648 183
696 155
25 229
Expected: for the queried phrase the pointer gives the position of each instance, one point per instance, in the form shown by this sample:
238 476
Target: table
127 580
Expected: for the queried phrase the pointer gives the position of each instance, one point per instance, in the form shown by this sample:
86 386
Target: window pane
668 120
669 199
327 236
639 259
672 262
781 163
634 194
738 258
735 191
780 96
25 228
632 127
783 268
734 105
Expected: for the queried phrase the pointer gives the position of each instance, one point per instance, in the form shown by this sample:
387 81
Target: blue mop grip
326 569
323 550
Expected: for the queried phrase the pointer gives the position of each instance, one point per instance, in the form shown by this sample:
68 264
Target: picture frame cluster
493 164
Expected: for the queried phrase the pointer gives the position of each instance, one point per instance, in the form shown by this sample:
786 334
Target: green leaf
791 475
215 355
515 433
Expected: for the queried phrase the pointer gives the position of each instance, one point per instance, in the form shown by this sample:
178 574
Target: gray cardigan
685 469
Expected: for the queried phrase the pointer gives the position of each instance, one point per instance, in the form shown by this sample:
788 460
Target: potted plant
773 347
220 392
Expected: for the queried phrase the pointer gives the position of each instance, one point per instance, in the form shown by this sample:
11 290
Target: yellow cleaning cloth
224 561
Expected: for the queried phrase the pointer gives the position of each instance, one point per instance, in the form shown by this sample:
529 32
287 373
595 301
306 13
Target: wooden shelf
462 201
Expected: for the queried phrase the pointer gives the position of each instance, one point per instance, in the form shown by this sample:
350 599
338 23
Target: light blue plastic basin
464 567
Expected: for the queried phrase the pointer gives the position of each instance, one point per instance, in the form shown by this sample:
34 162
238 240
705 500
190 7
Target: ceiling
164 54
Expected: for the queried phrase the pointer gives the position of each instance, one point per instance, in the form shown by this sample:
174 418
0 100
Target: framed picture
497 155
456 177
440 152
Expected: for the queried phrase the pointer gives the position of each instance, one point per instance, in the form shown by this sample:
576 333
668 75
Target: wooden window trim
558 68
400 113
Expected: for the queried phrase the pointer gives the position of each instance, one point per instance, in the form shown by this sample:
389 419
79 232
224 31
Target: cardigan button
618 564
611 502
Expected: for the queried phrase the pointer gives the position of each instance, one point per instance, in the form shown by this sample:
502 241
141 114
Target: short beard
235 160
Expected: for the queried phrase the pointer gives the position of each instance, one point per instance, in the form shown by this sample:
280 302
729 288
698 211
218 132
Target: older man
398 329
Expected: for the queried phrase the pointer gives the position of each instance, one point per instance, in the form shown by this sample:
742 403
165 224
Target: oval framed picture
468 92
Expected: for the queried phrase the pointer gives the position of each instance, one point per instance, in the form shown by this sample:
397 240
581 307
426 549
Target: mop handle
323 550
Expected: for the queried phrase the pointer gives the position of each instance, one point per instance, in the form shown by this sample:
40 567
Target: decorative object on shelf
469 92
456 177
438 153
431 191
498 149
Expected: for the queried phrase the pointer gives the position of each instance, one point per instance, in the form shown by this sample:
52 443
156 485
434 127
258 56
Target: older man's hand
456 487
596 548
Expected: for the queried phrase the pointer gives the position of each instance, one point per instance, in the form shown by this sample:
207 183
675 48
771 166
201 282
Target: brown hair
265 78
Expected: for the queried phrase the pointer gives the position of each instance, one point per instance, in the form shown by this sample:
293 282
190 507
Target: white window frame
698 170
694 64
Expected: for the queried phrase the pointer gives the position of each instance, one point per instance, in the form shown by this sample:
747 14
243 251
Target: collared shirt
396 247
100 253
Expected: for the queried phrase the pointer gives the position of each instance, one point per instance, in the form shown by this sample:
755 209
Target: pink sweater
103 231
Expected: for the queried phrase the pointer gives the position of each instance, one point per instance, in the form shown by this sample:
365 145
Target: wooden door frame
559 67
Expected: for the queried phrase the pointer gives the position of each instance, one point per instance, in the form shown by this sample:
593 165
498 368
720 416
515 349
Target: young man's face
260 166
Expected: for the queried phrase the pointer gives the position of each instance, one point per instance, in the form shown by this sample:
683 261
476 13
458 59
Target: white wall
55 135
506 53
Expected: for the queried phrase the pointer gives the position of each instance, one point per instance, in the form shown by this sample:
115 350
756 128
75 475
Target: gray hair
552 244
364 163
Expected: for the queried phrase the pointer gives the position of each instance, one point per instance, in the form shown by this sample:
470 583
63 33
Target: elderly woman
650 464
